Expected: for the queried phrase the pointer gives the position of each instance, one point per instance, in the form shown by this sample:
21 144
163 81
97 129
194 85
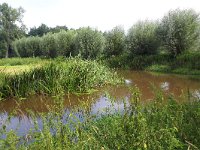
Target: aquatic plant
64 75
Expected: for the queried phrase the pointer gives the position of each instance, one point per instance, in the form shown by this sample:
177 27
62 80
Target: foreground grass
60 75
161 124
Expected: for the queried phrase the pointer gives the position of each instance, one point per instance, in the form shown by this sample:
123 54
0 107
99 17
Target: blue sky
100 14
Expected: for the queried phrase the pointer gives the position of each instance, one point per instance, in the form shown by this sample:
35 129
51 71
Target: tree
179 30
89 43
9 19
49 45
142 38
40 31
115 41
57 29
65 42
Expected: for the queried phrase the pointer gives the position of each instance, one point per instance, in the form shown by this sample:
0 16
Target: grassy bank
161 124
60 75
188 63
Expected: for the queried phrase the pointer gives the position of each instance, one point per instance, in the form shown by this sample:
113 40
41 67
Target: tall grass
161 124
66 75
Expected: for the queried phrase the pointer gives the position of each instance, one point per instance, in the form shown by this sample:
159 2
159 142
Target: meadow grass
21 61
161 124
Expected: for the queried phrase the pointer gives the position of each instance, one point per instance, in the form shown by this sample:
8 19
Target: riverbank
186 64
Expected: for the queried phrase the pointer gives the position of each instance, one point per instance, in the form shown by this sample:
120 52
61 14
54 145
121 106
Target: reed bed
60 75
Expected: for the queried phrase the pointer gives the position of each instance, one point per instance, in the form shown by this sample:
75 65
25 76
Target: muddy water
175 84
145 81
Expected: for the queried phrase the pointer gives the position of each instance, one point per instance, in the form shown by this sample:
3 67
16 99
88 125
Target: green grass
177 70
161 124
60 75
21 61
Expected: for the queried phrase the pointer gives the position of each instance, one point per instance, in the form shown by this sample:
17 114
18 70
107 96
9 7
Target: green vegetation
179 30
160 124
170 45
89 43
20 61
10 19
142 38
61 75
115 42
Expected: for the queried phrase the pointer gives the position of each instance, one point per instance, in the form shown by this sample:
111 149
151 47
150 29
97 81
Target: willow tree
142 38
179 30
115 41
11 26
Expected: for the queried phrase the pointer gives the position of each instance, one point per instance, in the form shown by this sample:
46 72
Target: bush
49 45
65 42
179 30
142 38
89 43
115 42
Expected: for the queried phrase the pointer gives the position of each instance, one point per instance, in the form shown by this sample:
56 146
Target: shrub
49 45
89 43
115 42
142 38
65 42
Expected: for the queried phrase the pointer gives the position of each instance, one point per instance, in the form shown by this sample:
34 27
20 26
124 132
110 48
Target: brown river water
176 85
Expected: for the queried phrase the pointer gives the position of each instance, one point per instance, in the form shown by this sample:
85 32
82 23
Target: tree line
177 32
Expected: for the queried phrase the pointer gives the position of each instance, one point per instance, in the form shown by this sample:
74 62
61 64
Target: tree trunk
9 52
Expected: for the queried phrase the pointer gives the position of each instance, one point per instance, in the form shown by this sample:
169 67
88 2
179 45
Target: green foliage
179 30
28 47
89 43
44 29
115 42
159 68
65 41
49 45
9 18
71 75
188 60
40 31
142 38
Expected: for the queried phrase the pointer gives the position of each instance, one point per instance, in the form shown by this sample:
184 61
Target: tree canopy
11 27
179 30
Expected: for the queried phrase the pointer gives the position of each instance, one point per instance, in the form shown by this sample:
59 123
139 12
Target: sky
100 14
